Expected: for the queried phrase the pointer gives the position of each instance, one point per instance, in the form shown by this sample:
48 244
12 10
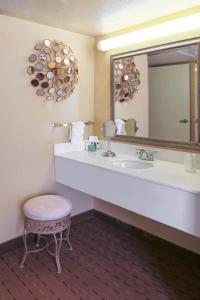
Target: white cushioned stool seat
47 207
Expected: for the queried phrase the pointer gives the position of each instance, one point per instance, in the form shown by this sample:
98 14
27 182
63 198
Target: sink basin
132 164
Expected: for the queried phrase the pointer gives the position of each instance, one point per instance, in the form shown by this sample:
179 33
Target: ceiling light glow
168 28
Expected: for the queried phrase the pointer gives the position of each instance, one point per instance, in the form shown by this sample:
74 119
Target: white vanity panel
134 191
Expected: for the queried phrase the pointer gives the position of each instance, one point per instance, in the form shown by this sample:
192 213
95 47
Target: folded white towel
77 132
120 126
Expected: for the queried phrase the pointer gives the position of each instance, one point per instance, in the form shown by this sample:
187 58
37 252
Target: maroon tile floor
107 263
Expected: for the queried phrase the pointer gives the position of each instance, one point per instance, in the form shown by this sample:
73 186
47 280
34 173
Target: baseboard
85 216
17 242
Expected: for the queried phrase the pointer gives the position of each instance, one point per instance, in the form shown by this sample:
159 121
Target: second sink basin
131 164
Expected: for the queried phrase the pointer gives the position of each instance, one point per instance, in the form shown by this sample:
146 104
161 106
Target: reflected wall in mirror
165 103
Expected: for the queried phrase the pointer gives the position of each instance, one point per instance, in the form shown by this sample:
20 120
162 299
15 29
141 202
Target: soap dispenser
189 163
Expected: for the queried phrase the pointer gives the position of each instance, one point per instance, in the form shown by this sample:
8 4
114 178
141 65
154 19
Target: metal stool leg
25 247
67 237
58 243
43 228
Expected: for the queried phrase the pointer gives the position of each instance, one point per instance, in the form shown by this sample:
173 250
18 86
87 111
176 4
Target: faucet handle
139 150
145 154
150 155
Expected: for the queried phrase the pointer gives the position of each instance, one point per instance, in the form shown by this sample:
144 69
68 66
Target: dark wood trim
192 101
179 146
112 102
198 90
17 242
152 142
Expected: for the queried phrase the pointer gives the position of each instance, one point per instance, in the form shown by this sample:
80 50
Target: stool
44 215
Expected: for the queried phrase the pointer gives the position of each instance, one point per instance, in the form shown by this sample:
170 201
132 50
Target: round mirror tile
34 82
60 92
65 51
32 58
44 85
51 65
59 81
58 59
47 43
119 72
118 86
66 61
39 66
52 91
55 48
38 46
42 56
47 50
30 70
63 72
69 70
58 99
50 75
40 76
66 79
49 98
40 92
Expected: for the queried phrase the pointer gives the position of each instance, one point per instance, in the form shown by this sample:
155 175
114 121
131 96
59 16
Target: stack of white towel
120 124
77 132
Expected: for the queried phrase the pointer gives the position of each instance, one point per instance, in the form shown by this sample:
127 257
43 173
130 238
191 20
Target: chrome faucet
145 155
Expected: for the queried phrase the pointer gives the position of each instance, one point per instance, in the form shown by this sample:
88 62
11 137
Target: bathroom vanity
159 190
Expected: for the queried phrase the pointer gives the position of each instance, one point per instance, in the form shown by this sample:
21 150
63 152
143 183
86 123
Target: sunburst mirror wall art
53 69
126 79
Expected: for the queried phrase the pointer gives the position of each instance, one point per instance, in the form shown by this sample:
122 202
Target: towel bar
56 124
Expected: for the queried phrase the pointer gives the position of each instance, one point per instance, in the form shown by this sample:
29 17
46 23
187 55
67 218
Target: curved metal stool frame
46 227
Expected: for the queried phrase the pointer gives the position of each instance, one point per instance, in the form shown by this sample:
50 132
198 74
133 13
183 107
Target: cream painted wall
137 108
26 137
102 112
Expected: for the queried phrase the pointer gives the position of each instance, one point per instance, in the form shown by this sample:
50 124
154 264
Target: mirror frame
175 145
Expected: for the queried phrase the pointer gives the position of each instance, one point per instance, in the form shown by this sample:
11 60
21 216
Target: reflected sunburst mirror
126 79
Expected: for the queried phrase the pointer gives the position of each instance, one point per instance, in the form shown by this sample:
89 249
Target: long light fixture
182 24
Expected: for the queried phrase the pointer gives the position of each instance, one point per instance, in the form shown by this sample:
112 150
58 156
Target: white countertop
166 173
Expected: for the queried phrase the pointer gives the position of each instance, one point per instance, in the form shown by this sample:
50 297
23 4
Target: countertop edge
163 183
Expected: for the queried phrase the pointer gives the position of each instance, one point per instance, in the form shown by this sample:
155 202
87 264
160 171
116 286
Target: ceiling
92 17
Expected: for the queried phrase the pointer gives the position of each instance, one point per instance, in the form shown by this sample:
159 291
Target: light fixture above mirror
179 25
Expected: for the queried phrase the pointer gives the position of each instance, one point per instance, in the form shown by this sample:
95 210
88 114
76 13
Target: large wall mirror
155 95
